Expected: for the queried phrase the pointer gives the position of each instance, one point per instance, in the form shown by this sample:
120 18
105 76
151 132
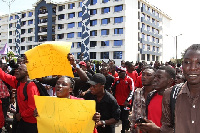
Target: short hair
148 67
170 71
194 47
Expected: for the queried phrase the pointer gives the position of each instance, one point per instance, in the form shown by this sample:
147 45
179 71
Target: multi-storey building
131 30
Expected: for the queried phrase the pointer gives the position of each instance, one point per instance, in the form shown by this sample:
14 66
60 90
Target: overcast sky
184 14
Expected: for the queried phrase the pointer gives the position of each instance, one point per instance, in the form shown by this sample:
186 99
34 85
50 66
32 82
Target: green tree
10 55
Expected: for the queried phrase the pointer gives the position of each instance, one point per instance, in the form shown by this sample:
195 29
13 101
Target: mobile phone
140 120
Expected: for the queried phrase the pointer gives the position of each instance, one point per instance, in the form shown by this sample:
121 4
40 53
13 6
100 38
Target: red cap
82 63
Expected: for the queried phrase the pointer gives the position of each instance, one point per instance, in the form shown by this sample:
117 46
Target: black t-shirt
109 80
108 108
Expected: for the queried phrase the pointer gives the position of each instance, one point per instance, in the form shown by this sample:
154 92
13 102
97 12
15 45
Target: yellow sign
48 59
62 115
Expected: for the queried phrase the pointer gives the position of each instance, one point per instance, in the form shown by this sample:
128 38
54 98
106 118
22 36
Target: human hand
18 116
35 113
96 117
148 127
126 104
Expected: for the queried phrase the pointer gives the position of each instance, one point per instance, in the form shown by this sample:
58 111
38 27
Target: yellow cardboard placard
62 115
48 59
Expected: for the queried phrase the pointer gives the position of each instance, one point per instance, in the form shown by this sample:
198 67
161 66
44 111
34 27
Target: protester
28 123
140 96
123 89
106 104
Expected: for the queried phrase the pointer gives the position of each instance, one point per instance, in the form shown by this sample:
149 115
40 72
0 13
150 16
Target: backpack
173 96
42 90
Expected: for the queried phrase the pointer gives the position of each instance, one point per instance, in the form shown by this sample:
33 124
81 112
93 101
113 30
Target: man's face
63 87
148 76
104 71
96 89
161 80
21 72
122 74
191 67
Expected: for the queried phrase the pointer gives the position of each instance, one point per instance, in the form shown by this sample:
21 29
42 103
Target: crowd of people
147 98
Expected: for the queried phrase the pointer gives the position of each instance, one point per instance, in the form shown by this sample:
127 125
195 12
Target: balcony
143 51
150 14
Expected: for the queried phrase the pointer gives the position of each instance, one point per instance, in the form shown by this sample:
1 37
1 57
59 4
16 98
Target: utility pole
176 37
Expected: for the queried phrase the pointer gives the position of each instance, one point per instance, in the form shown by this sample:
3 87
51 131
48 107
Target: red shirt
1 116
123 89
3 90
155 109
133 75
27 107
115 75
138 83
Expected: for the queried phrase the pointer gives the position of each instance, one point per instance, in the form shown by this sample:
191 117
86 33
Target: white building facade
130 30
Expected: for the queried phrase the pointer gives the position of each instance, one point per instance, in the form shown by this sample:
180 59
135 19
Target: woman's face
63 87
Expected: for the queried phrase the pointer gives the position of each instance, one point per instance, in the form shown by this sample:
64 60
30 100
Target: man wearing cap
122 89
106 104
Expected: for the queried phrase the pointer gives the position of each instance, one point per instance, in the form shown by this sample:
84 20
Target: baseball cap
82 63
121 69
97 78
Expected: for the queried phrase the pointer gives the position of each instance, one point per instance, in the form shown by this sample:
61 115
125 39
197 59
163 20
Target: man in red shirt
123 89
131 72
28 123
164 78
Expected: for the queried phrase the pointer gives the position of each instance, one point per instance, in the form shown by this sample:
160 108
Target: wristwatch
104 123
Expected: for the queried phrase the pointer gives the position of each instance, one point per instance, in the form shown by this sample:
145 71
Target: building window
117 55
30 14
118 31
10 40
80 4
153 11
148 48
92 55
105 32
104 55
93 22
148 37
61 16
105 1
60 36
153 29
104 43
157 49
30 30
71 25
93 33
148 28
70 35
118 8
105 10
93 11
93 43
143 5
22 47
78 55
157 14
71 6
143 46
142 56
60 8
154 48
118 42
157 40
30 39
153 20
23 31
71 15
157 31
148 17
148 57
80 14
23 15
79 24
30 22
23 39
118 19
93 2
153 57
143 36
78 44
105 21
157 58
153 39
143 15
16 17
143 26
149 9
60 26
10 32
79 34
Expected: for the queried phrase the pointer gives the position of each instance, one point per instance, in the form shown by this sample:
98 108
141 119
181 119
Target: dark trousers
25 127
124 118
5 105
